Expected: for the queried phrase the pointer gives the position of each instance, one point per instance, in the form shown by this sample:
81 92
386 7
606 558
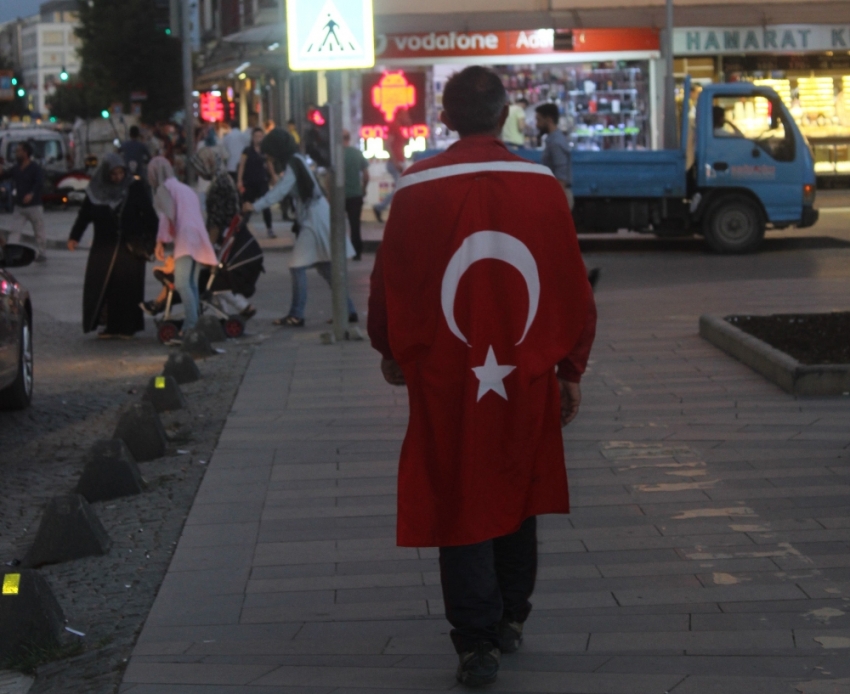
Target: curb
776 366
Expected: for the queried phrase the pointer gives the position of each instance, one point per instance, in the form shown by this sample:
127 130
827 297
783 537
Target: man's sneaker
510 636
377 211
480 666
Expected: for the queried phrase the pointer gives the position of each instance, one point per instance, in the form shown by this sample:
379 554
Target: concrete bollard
110 472
30 616
69 530
182 367
141 429
211 327
164 394
197 345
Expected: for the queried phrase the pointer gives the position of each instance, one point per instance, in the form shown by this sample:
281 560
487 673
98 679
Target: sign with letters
330 34
777 38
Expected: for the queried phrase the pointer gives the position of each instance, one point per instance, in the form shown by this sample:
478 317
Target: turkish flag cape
485 292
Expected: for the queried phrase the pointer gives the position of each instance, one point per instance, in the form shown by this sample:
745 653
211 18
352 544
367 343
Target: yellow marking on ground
715 512
833 641
824 614
675 486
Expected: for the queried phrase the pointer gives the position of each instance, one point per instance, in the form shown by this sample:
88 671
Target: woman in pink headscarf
180 223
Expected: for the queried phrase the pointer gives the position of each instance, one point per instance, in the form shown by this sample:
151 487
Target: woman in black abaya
124 224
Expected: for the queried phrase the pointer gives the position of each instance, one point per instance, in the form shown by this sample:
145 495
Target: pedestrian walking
252 177
28 179
136 153
356 180
312 217
125 224
181 223
478 295
234 143
396 142
556 148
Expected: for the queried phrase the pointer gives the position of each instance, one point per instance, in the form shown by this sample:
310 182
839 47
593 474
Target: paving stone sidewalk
707 550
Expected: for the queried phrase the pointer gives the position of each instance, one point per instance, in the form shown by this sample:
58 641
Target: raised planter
775 365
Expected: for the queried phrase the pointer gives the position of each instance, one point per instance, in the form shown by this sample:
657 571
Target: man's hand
392 372
72 245
247 207
570 401
159 251
27 198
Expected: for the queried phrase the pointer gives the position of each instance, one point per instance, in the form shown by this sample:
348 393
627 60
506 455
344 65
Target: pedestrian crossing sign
330 34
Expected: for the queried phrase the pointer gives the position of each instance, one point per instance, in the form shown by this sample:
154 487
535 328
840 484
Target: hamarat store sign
778 38
506 44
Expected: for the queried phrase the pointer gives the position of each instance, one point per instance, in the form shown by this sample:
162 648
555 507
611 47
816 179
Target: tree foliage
122 51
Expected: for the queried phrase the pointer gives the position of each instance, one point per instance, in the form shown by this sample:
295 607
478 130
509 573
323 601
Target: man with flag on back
480 304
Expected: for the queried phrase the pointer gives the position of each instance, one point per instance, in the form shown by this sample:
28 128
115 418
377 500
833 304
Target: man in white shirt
234 143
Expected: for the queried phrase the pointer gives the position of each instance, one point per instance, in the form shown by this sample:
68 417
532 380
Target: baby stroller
240 262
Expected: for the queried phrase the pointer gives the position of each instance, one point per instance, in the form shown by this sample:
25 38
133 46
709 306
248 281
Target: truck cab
742 166
752 165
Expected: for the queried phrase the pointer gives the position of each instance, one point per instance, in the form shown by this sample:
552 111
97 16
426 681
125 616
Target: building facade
48 46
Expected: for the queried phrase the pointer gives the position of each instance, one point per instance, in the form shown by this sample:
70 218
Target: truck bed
629 174
618 174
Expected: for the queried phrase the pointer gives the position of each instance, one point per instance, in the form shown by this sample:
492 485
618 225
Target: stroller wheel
234 326
167 332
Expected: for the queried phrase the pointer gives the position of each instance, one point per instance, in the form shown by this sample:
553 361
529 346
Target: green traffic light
104 113
168 32
14 81
63 76
22 92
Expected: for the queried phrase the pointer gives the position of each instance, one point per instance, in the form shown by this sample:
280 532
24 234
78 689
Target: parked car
16 354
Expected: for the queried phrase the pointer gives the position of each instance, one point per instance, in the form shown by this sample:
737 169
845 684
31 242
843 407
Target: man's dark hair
234 124
27 147
473 99
549 110
134 132
522 100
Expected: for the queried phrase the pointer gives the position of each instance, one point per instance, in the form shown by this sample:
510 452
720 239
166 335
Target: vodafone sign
454 44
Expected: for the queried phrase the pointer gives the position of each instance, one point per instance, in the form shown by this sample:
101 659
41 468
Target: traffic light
317 139
14 81
167 17
21 92
64 74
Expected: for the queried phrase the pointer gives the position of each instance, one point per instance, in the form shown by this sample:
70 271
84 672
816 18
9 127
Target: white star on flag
491 376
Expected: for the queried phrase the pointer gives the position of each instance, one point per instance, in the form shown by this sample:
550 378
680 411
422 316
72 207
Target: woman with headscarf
222 206
124 230
222 201
180 223
313 217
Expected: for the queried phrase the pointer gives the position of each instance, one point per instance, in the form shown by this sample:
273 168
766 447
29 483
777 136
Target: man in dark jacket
28 177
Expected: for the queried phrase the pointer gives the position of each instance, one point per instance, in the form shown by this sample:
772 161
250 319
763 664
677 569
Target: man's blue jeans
186 275
299 289
394 171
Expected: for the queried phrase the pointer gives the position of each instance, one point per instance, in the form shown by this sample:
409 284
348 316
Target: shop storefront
604 81
807 64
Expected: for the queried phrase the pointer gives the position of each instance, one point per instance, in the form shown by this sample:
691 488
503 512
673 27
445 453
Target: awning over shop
265 34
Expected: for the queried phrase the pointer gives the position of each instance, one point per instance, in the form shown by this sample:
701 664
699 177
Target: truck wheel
18 395
734 224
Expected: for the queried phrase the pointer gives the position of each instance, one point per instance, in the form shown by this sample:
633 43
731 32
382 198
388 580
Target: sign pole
671 131
188 101
339 279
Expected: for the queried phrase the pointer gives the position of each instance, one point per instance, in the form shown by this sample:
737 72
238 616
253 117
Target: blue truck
742 166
